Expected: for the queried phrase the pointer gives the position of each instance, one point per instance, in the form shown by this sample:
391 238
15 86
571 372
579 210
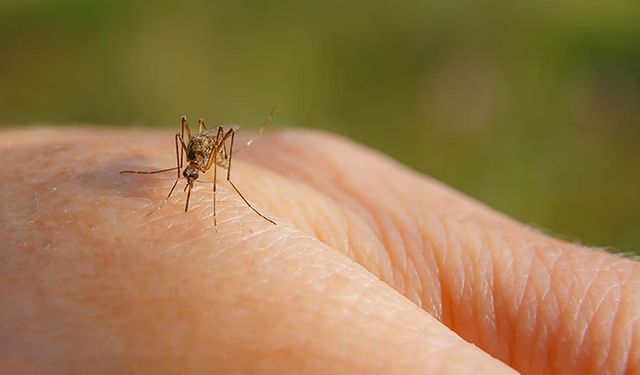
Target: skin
371 268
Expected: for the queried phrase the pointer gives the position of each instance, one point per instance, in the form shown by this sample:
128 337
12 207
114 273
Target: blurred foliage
531 107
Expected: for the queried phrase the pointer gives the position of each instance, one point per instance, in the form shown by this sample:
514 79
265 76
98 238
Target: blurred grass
533 108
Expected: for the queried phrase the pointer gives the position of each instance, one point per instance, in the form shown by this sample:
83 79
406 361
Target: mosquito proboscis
205 150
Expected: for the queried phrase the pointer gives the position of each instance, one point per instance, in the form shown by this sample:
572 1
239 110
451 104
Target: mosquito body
205 150
199 151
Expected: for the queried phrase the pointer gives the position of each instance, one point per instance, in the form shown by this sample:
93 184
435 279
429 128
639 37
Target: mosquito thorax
199 149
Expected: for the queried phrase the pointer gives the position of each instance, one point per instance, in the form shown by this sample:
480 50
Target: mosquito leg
201 126
149 172
178 155
167 198
179 145
219 135
225 155
221 138
267 121
250 142
233 137
215 177
212 159
234 186
185 127
183 149
178 161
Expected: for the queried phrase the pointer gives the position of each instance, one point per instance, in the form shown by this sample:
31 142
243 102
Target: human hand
371 268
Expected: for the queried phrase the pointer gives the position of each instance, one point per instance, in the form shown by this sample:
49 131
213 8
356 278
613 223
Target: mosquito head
191 174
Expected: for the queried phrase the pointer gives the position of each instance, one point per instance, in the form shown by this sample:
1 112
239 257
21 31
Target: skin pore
371 268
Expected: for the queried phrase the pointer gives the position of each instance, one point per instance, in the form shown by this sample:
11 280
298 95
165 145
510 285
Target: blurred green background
531 107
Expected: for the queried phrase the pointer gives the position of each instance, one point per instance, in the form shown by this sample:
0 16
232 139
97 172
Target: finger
539 304
89 284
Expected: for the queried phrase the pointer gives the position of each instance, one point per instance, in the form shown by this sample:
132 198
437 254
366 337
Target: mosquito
204 150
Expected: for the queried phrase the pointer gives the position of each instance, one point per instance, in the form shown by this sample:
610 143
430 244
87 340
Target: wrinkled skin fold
371 268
